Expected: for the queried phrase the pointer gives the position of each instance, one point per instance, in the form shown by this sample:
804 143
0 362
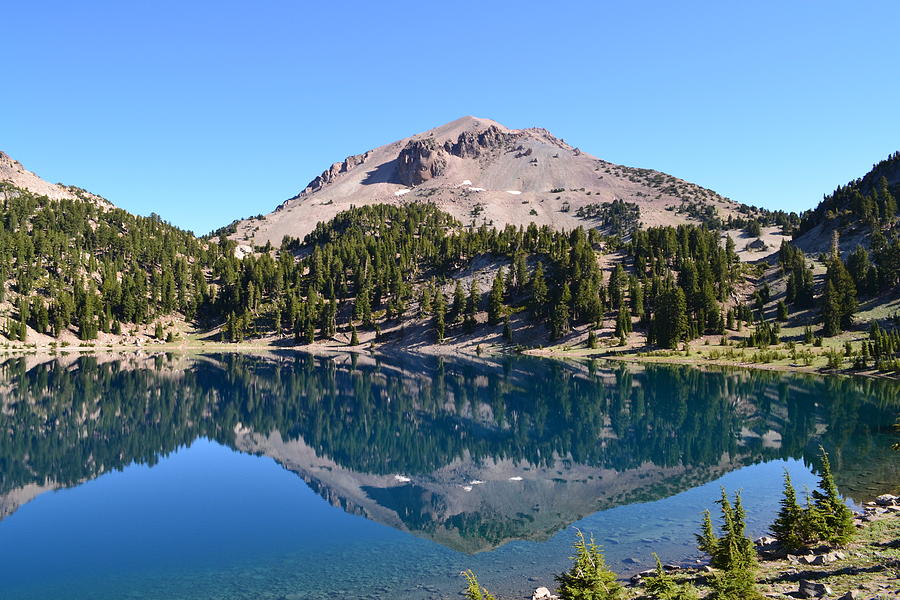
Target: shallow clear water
297 477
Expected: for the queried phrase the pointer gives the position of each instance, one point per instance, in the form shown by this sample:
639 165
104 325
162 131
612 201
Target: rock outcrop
333 172
419 161
472 144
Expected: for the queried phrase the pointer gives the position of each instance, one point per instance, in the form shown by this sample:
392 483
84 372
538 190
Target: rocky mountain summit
482 172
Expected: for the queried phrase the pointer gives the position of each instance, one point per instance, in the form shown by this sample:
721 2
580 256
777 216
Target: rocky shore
866 569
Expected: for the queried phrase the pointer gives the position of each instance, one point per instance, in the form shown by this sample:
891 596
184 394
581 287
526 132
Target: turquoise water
291 476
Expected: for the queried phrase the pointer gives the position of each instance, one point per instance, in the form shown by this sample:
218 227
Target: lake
289 476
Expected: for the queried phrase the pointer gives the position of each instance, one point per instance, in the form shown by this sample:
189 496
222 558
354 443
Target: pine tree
539 291
782 311
354 337
560 318
670 323
459 302
788 526
589 578
839 528
495 307
440 308
733 553
707 541
839 299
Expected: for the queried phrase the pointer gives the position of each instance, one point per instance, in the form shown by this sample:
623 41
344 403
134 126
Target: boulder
543 593
766 541
812 589
851 595
887 500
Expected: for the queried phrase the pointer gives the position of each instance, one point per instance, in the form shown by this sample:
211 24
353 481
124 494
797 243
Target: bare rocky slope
482 172
13 173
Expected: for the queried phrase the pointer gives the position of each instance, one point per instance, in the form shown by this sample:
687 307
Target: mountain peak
481 171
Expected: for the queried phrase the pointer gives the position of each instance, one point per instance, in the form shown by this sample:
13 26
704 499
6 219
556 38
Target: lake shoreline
465 351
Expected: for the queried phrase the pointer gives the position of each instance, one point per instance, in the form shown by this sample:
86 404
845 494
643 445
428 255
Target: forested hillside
84 266
80 270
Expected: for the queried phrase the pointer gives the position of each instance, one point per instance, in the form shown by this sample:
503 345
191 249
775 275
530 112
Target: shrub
663 586
473 590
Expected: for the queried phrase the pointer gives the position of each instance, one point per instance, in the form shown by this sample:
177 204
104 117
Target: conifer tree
589 578
539 291
495 307
839 299
560 317
839 528
788 527
473 301
440 308
459 302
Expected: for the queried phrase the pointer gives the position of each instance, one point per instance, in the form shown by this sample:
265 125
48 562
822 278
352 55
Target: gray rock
851 595
543 593
419 161
812 589
887 500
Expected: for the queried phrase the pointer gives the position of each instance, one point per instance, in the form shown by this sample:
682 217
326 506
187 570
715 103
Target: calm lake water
296 477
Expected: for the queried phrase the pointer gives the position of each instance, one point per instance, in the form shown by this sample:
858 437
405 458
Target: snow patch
467 488
476 482
475 189
464 183
401 192
516 478
513 192
402 478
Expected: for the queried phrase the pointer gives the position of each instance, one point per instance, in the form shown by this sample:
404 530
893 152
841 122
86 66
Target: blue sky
206 112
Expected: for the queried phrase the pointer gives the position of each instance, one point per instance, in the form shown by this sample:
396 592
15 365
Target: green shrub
663 586
473 590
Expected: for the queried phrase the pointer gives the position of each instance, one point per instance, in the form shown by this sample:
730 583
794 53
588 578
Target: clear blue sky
206 112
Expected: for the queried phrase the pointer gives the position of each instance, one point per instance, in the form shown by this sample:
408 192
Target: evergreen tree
788 527
473 301
459 302
670 324
495 307
539 291
839 300
589 578
782 311
838 518
440 308
560 318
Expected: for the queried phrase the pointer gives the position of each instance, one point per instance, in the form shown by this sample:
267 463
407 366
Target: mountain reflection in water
468 455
